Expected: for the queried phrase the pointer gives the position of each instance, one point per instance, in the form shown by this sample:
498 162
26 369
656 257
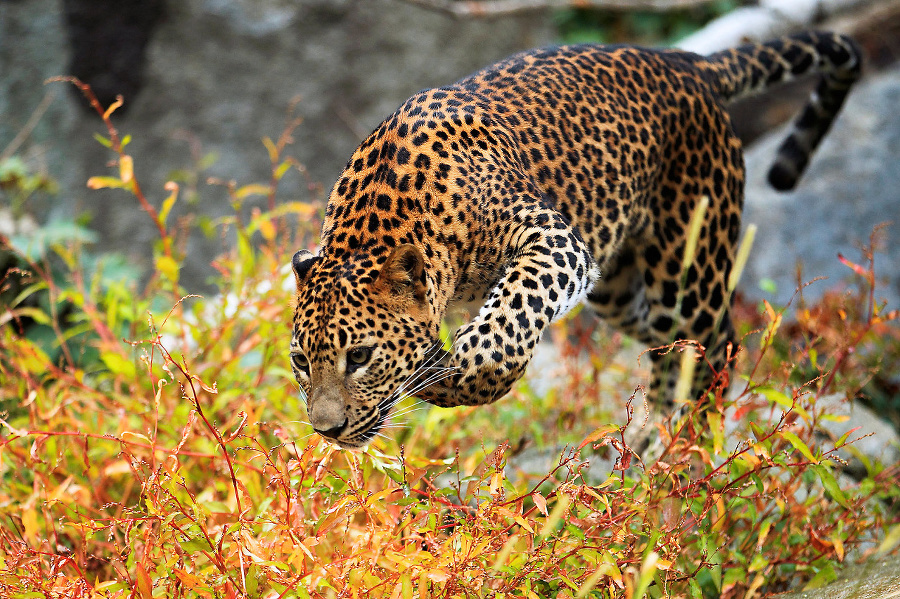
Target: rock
873 437
877 578
849 188
220 75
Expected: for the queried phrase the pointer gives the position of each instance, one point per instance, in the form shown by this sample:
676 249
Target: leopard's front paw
486 364
448 379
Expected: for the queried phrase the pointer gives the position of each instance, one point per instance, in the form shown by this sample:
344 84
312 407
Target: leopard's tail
751 68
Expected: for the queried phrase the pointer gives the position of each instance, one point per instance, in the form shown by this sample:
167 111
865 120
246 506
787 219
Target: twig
116 146
490 8
32 122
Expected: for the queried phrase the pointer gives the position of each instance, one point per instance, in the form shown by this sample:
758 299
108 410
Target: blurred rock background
218 75
205 80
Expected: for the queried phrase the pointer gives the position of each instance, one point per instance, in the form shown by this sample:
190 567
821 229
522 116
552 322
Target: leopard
558 177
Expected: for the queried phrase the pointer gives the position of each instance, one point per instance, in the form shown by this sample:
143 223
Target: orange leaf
142 582
599 433
861 271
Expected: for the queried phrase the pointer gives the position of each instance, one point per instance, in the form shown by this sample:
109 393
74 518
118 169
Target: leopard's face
359 346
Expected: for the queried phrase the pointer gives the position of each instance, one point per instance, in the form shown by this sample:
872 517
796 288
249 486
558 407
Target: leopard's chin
359 441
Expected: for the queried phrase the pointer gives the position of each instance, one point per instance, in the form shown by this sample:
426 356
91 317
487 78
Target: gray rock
877 578
851 185
872 437
222 74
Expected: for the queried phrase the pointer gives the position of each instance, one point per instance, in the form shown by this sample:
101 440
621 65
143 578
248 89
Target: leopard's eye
300 362
357 357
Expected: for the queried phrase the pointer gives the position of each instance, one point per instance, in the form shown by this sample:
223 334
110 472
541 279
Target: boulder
218 76
850 187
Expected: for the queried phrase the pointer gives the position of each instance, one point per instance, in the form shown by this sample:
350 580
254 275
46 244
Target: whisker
409 411
431 381
434 378
399 392
426 374
416 407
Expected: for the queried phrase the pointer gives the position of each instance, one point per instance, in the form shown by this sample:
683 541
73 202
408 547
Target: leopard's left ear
403 274
301 263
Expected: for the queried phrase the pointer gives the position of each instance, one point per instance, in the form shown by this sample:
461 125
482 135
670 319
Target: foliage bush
175 462
578 25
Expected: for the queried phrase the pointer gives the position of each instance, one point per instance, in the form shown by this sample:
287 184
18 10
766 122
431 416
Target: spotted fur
557 176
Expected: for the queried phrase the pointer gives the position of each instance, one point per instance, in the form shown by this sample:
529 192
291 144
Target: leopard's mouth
358 435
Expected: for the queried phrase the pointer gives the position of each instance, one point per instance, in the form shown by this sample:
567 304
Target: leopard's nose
327 413
333 432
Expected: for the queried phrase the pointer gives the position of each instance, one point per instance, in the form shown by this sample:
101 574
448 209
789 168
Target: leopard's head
364 336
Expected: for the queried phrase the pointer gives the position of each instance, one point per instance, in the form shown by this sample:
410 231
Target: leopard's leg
693 302
645 293
667 364
619 297
551 271
636 303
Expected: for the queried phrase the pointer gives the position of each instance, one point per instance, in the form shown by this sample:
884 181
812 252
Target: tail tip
782 177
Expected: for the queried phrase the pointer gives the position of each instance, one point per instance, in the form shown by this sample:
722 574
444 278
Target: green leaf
891 540
194 545
831 485
822 577
776 396
103 141
118 364
758 562
799 445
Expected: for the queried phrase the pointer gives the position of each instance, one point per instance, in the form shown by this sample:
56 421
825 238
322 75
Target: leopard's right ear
301 263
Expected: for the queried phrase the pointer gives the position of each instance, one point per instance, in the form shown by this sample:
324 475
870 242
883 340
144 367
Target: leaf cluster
176 464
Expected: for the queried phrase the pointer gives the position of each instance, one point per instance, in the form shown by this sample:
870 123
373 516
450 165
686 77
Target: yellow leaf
252 189
61 492
714 419
517 517
267 229
187 579
282 169
505 551
496 483
741 260
112 107
30 522
562 504
438 575
838 546
167 267
604 569
271 149
140 438
167 204
599 434
105 182
690 245
126 168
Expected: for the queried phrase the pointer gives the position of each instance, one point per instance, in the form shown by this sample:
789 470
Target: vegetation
652 28
153 446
